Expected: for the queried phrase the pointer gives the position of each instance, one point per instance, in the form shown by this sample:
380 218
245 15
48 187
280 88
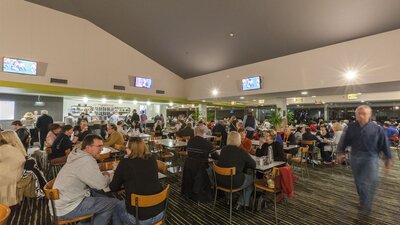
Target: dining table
171 143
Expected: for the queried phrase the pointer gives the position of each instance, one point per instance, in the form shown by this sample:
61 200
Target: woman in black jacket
277 148
61 144
138 174
233 156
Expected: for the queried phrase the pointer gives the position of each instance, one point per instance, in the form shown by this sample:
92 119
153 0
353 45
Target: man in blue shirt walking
366 140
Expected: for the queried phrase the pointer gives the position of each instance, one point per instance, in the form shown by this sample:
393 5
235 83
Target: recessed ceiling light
396 107
85 99
134 102
261 101
231 34
351 74
362 101
304 93
241 97
120 101
171 104
203 100
103 100
313 96
214 92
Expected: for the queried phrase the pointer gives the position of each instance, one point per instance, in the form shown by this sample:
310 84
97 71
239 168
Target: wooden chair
52 195
4 214
162 167
217 142
103 156
138 201
229 171
262 184
302 160
104 166
311 145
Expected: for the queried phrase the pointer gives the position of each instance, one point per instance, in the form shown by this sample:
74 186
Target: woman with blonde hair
11 169
138 173
12 139
233 156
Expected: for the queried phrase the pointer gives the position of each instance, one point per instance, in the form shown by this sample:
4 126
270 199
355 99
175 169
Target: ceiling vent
119 87
160 92
58 81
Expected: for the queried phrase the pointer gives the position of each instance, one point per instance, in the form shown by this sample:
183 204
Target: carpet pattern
328 196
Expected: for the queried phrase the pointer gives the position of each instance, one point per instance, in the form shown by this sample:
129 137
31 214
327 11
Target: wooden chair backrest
218 134
48 150
304 149
104 166
4 214
228 171
186 138
51 194
149 200
304 142
104 156
162 167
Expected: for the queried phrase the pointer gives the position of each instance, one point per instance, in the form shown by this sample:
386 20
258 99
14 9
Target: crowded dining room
199 112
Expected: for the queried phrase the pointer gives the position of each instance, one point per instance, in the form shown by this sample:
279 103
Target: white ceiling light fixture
148 103
85 99
304 92
134 102
171 104
104 100
241 97
313 96
396 107
120 101
351 75
203 100
231 34
214 92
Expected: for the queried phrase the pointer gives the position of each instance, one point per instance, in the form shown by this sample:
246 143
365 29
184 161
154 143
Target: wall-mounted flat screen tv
251 83
20 66
142 82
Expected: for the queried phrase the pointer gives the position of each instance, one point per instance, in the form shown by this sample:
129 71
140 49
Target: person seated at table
82 130
324 136
246 143
196 184
136 126
270 141
186 130
288 136
308 136
138 174
54 130
12 162
158 129
23 133
61 144
114 137
78 179
232 125
121 127
233 156
211 125
219 130
299 134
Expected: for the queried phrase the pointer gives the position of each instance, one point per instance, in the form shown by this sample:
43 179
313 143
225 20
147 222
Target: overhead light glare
85 99
103 100
351 74
214 92
304 93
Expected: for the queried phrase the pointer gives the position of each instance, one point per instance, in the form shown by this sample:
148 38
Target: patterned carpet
328 196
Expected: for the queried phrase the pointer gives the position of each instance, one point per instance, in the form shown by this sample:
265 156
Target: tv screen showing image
20 66
251 83
142 82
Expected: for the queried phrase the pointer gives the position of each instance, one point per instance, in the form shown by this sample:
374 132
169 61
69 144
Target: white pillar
202 111
281 103
326 112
